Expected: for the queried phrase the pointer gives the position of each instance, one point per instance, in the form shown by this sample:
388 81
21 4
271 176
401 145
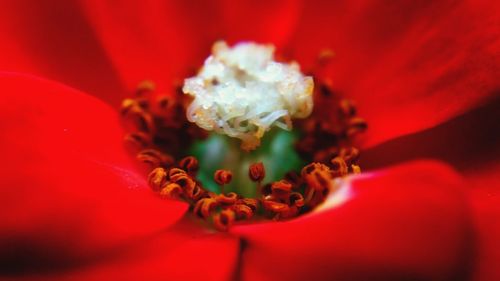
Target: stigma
242 92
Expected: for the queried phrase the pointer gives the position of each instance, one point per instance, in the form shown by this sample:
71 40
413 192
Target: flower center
241 93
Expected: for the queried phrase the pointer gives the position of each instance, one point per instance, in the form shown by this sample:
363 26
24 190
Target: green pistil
220 152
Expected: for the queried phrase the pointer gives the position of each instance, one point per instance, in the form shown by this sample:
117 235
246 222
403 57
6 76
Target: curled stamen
325 155
134 113
273 206
128 105
175 171
171 190
189 164
157 178
279 208
281 188
227 199
296 199
223 177
318 179
356 125
155 158
189 186
224 219
355 169
257 172
250 202
312 168
349 154
339 167
197 193
205 206
242 211
282 202
139 140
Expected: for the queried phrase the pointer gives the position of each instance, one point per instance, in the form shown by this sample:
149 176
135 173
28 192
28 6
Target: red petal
157 40
467 143
208 258
54 40
470 144
184 252
166 41
271 21
408 222
409 65
485 197
68 187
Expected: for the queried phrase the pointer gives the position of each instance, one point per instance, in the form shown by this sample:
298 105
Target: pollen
242 92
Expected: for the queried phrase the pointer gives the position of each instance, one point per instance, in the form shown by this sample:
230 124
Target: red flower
74 207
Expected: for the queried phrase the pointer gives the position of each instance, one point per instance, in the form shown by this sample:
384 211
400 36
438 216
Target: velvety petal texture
54 40
69 190
166 41
73 205
271 21
154 39
210 258
406 223
408 65
183 252
468 142
484 196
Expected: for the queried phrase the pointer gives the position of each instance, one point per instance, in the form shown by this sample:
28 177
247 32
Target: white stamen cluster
242 92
